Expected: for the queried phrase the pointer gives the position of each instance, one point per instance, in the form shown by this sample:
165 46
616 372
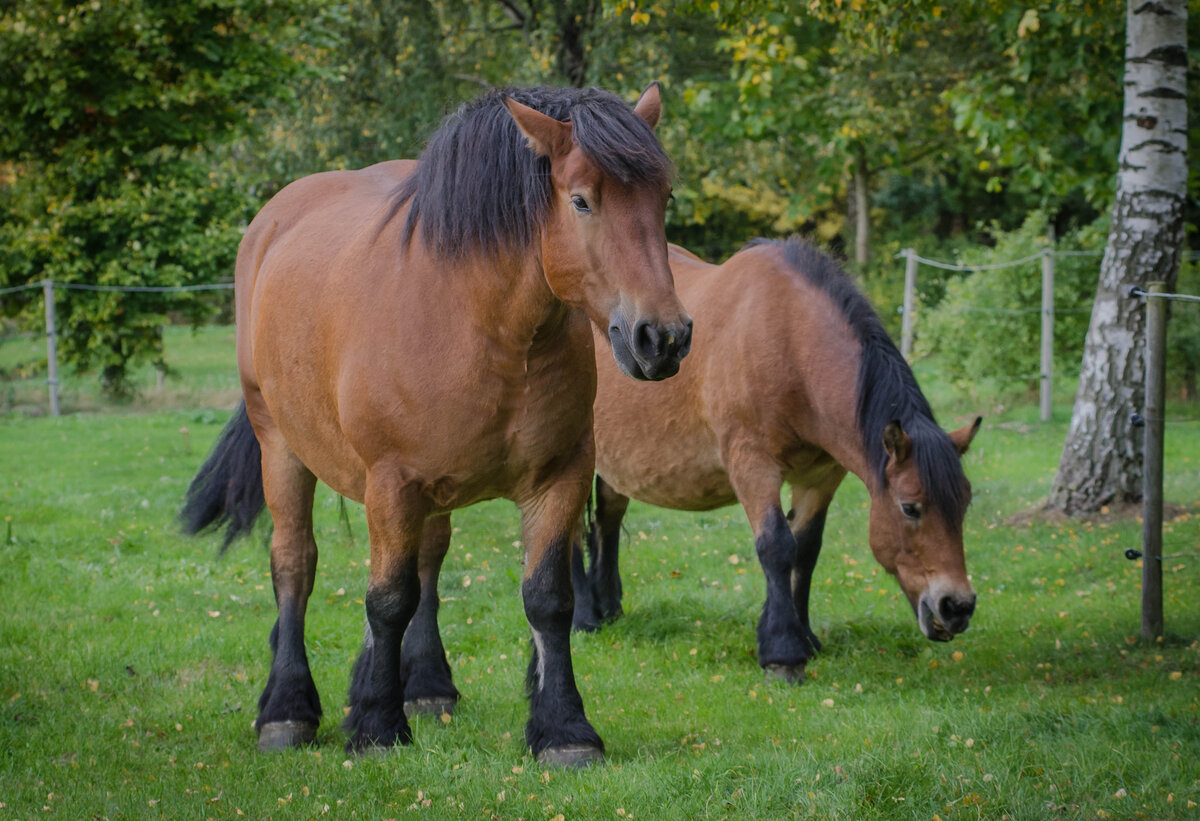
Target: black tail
228 489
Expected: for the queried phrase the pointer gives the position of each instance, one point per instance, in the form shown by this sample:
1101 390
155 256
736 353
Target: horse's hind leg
604 543
289 709
428 688
395 518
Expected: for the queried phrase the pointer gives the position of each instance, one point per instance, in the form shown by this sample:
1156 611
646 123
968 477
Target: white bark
1101 460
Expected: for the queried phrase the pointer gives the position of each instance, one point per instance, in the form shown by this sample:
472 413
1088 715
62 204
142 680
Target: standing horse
769 395
416 335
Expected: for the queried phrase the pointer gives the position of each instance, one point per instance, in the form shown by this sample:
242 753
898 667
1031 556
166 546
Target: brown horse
792 378
416 335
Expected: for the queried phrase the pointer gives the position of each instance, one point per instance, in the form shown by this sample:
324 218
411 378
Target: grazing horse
416 335
792 378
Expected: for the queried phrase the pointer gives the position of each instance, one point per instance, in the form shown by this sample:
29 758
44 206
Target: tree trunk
862 209
574 22
1102 459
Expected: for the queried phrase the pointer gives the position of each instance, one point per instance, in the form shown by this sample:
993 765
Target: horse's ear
896 442
649 105
963 436
547 136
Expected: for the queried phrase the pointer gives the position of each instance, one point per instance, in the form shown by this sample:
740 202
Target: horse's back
320 204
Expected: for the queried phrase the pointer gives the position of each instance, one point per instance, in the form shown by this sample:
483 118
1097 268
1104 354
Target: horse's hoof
368 750
571 756
791 673
430 706
280 735
583 626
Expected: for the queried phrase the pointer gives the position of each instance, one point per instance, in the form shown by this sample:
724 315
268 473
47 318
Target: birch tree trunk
1102 459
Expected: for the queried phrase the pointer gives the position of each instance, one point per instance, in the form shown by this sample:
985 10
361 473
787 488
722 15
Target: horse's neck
513 304
832 421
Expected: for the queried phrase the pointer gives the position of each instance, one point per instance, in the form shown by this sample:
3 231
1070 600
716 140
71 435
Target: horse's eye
581 205
911 511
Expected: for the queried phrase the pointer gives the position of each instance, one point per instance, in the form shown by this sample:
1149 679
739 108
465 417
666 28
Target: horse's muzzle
649 350
942 618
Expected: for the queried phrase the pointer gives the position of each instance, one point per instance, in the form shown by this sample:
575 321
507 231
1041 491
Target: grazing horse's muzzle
943 617
649 350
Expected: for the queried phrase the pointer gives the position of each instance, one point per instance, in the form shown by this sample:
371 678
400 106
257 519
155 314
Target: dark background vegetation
138 137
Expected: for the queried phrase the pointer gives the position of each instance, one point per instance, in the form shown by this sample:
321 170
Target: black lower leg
779 639
556 717
808 548
290 694
376 715
423 663
585 617
604 547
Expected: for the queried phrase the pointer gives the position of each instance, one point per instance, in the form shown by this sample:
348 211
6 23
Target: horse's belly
664 469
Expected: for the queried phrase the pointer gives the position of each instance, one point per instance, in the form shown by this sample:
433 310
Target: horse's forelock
620 142
478 187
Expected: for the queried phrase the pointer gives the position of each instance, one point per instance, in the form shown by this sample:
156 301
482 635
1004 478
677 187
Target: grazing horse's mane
886 389
479 187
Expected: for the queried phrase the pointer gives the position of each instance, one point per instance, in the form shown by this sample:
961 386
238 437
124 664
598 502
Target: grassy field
131 658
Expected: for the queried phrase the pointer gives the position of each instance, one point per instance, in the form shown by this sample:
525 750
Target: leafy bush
987 324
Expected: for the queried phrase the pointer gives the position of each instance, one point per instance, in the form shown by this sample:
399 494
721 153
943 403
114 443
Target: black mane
887 389
479 187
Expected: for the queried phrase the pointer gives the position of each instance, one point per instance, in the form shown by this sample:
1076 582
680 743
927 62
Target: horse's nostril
647 340
951 608
683 339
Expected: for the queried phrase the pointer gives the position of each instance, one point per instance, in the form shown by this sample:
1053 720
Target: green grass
202 373
131 658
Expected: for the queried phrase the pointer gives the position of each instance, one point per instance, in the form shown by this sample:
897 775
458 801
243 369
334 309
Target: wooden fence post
1152 464
1047 388
910 288
51 346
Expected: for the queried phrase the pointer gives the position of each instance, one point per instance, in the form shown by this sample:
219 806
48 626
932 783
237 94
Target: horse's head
917 524
604 246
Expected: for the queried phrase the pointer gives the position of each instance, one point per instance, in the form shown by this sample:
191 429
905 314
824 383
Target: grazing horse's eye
911 511
581 205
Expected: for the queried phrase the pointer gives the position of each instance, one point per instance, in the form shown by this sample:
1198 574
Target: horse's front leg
783 651
558 732
807 522
428 686
395 520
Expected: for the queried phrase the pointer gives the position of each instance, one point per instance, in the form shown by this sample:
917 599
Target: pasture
131 658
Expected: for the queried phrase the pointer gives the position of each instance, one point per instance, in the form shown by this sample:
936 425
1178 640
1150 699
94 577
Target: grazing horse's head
603 241
917 515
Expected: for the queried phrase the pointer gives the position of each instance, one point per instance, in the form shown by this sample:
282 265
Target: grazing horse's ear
896 442
649 105
547 136
963 436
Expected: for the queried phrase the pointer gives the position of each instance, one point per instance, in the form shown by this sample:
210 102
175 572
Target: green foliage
135 139
1183 334
1054 93
107 112
987 325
